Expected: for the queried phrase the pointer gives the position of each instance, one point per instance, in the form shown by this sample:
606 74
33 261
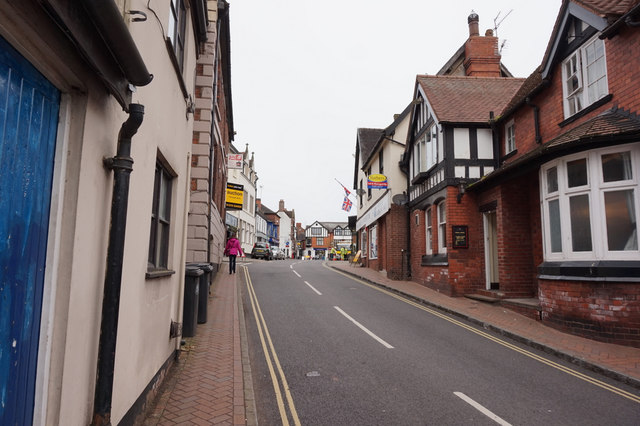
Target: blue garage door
28 121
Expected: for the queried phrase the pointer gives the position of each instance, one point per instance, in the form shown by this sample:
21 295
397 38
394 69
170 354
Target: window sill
602 270
586 110
158 273
509 155
435 260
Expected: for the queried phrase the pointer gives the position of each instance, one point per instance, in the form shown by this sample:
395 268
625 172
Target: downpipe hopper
122 160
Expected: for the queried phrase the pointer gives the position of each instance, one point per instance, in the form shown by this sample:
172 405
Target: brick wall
604 311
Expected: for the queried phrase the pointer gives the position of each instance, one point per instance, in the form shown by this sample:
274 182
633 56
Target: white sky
307 74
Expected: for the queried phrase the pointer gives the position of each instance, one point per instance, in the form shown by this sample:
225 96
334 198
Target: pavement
211 382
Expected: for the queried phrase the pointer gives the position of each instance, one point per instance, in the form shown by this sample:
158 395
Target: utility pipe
122 165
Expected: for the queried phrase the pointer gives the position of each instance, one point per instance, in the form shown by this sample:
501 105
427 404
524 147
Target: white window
510 137
584 75
176 30
590 205
442 227
427 222
373 243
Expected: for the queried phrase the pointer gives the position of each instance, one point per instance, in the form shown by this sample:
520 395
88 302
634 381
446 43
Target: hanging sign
235 195
377 181
234 161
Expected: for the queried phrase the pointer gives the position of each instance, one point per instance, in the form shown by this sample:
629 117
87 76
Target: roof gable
467 99
596 14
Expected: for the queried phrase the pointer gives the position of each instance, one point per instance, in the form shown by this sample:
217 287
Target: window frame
596 190
373 242
580 98
158 254
509 137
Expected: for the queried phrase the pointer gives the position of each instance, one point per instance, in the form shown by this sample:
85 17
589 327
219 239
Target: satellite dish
400 199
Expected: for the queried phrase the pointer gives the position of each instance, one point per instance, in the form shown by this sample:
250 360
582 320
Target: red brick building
565 199
551 213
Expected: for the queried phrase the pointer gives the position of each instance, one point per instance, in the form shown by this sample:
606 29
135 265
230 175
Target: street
328 349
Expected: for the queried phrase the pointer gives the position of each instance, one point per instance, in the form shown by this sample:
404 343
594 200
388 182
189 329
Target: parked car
261 251
278 255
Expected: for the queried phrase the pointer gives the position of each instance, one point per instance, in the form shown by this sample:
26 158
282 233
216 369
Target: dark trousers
232 263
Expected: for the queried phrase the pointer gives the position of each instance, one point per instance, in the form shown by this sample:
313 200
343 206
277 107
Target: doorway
491 250
29 106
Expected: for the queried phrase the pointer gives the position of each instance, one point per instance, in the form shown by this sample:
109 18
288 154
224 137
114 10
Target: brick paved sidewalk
206 387
615 361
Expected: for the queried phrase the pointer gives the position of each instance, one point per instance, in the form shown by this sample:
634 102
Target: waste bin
190 306
203 299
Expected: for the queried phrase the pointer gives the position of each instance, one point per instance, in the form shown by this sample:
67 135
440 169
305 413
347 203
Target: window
373 243
510 137
380 163
427 222
160 219
319 241
177 24
368 188
590 205
360 193
316 231
442 227
585 77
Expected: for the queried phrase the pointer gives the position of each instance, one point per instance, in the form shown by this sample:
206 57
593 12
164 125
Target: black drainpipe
536 118
122 165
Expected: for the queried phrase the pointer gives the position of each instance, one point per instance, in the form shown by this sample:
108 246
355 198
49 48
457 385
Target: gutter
107 19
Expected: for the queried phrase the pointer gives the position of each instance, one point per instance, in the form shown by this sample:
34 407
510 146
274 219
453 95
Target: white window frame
509 137
442 226
364 241
580 98
429 230
596 189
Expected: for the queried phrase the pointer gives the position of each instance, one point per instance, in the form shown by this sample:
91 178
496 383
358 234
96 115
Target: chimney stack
482 56
281 206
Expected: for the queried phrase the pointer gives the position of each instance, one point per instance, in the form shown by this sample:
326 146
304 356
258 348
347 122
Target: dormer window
585 77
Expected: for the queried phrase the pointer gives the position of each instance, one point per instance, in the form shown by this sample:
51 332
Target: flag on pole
346 204
346 191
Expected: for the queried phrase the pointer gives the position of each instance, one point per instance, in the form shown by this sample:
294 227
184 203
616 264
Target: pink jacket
233 247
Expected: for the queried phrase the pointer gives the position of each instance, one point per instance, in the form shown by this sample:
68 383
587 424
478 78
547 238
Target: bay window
590 205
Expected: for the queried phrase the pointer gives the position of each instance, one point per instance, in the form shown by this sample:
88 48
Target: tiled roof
468 99
610 123
608 8
530 84
330 226
367 139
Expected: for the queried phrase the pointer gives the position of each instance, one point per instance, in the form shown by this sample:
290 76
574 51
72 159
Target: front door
28 122
491 250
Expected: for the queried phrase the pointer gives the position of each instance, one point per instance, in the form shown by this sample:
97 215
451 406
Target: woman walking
232 250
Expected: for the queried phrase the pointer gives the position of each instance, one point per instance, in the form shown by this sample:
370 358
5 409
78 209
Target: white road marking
480 408
297 274
291 266
363 328
313 288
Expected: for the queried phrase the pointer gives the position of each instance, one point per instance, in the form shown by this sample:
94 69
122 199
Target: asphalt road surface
328 349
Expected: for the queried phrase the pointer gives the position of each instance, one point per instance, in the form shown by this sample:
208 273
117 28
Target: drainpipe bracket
120 163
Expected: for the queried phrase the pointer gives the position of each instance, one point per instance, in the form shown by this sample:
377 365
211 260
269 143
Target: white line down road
365 329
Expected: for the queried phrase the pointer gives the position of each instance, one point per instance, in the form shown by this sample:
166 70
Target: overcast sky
307 74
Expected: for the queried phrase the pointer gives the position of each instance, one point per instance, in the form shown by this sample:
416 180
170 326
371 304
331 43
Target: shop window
373 243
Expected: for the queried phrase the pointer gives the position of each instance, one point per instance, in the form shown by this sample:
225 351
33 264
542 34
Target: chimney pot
489 33
473 20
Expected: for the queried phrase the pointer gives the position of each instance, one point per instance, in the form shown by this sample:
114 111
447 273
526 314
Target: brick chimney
281 206
482 58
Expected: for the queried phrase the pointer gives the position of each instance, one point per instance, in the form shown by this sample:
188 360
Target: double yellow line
567 370
280 385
